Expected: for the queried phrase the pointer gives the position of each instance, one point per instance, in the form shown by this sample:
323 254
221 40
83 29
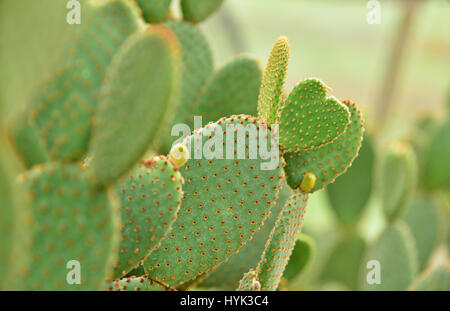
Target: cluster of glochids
95 192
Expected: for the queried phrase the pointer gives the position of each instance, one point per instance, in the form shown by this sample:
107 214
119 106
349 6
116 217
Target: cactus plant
165 222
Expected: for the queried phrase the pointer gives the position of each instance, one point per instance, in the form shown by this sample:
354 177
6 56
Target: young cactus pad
148 64
271 90
329 161
69 219
308 119
150 198
225 202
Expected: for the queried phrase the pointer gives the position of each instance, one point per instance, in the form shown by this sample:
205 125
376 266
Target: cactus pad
396 254
199 10
342 264
350 193
271 92
329 161
148 64
308 119
63 106
436 163
233 89
69 219
150 198
424 220
225 202
398 177
301 257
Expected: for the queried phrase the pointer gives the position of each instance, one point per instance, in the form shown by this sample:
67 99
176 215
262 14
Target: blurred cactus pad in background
108 182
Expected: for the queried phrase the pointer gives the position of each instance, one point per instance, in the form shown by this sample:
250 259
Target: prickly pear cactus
230 199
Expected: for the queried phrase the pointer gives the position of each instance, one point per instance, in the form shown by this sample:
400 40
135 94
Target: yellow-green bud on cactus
308 182
179 155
